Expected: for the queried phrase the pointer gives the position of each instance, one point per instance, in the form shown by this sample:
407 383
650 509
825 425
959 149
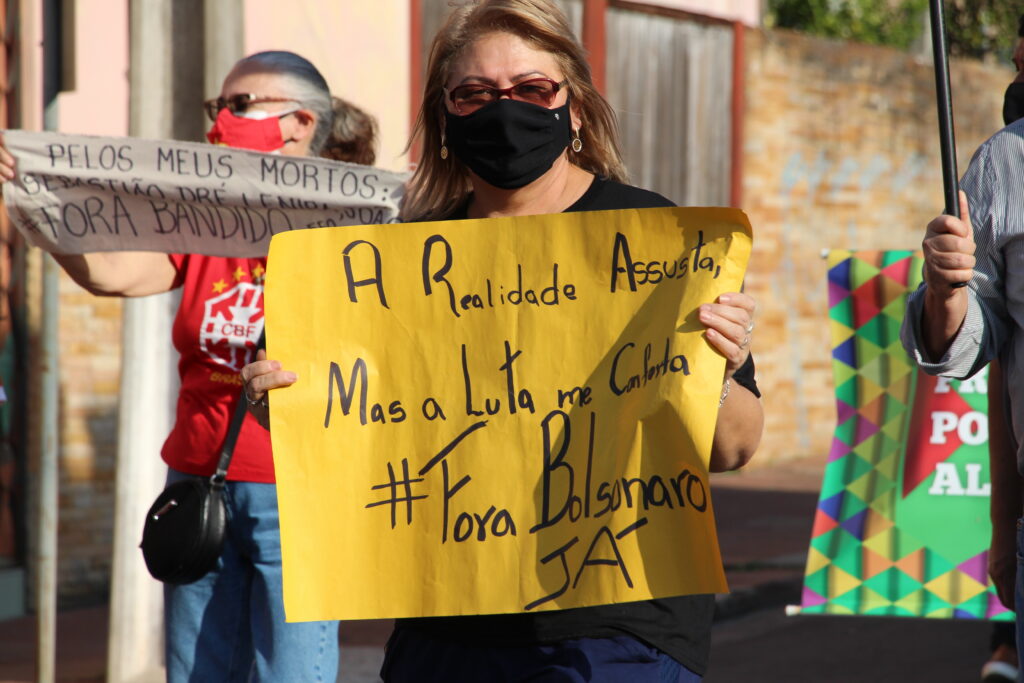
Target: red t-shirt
216 330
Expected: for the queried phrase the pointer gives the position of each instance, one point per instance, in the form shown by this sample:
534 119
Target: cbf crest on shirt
233 317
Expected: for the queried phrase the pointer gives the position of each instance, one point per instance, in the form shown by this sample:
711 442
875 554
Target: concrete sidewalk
764 518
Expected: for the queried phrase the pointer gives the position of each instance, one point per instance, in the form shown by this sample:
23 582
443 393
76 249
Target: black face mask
509 143
1013 103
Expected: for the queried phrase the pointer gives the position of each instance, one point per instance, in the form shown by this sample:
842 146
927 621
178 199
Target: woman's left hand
730 324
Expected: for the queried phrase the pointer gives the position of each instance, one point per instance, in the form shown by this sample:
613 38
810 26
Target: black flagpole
944 100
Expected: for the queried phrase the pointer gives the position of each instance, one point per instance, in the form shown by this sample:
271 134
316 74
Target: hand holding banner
79 194
498 415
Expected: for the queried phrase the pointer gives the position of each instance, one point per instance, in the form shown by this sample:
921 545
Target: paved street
768 647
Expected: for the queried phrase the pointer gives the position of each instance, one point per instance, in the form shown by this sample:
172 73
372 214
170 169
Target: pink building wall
362 48
99 103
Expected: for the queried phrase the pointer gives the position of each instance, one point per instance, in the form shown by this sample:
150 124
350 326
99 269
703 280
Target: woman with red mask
230 625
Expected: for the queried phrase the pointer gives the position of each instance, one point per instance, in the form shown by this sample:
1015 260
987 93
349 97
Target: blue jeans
414 656
229 626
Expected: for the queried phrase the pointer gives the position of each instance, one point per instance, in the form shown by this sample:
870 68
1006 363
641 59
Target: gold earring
444 148
577 144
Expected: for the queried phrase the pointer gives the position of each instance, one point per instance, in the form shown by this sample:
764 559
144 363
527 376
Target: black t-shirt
679 626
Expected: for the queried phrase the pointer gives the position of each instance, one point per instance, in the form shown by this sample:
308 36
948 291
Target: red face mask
256 130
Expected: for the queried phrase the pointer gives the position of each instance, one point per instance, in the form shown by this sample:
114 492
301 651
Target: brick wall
90 343
840 151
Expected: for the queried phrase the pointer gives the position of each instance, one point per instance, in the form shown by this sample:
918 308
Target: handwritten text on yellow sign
498 415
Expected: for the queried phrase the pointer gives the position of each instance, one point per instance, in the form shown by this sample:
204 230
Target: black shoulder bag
185 526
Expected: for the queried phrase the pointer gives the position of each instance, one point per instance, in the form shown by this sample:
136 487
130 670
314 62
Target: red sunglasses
468 98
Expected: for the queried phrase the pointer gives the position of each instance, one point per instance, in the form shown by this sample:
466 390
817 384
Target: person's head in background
1013 100
277 101
502 44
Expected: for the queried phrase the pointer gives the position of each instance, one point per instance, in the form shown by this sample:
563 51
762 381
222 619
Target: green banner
902 525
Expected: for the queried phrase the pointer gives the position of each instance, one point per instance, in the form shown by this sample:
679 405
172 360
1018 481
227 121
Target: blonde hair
439 186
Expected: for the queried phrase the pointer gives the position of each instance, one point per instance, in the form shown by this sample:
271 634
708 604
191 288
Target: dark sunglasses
238 104
468 98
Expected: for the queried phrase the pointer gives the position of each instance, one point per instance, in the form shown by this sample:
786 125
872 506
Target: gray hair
305 83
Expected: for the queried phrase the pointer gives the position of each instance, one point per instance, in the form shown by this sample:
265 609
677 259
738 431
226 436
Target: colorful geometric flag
902 526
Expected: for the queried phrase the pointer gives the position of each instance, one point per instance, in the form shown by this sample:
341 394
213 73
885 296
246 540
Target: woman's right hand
258 378
6 162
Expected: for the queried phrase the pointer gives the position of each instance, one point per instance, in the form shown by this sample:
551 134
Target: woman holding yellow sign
512 125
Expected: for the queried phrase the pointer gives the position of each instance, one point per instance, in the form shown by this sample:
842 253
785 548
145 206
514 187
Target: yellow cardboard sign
500 415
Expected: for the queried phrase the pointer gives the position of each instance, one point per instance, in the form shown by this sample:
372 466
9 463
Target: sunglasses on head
238 104
472 96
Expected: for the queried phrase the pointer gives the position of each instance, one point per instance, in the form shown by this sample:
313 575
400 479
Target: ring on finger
746 342
261 401
750 328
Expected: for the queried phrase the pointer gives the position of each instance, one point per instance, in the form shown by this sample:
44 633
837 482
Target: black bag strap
237 418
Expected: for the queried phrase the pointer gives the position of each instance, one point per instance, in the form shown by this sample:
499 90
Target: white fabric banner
75 194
